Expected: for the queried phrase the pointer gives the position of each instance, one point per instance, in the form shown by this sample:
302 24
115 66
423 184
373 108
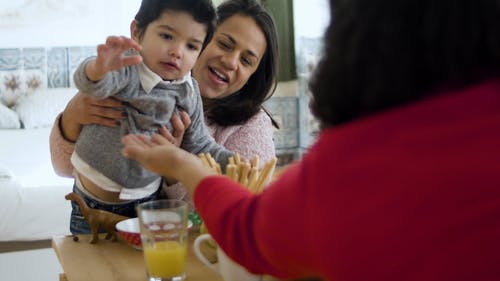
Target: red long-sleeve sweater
408 194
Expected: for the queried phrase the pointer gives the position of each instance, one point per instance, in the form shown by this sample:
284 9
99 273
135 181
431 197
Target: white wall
45 23
311 17
217 2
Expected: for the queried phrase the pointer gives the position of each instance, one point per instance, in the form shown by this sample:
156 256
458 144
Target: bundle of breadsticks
244 172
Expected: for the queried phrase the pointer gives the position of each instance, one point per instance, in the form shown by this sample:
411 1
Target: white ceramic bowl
129 232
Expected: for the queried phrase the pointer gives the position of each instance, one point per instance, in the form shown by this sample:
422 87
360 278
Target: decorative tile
308 56
284 139
284 111
286 156
35 58
75 56
10 59
57 68
286 108
308 124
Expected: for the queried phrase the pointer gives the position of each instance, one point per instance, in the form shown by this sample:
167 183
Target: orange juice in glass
163 226
166 259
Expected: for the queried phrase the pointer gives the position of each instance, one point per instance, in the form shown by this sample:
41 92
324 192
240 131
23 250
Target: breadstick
218 169
211 160
237 158
238 163
204 159
230 169
244 170
255 161
252 182
235 173
266 173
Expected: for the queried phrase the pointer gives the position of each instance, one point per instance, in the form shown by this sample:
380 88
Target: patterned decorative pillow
40 108
18 83
8 118
34 80
11 87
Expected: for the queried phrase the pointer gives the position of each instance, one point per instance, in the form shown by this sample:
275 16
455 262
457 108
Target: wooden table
110 261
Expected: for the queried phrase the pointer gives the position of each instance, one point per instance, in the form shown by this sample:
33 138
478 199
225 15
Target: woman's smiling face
231 57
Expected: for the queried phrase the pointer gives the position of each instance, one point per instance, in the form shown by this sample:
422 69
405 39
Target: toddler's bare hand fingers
166 134
178 126
186 120
131 60
159 139
143 140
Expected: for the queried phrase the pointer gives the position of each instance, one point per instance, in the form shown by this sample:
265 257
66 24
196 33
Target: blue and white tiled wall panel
56 64
285 111
308 125
75 56
21 71
308 55
10 59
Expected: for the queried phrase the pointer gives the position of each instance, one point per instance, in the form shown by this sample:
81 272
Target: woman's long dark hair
239 107
384 53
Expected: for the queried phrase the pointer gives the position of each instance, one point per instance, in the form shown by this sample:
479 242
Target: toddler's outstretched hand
111 56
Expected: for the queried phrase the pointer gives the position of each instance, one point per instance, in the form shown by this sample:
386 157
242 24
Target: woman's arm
254 138
230 210
60 150
80 110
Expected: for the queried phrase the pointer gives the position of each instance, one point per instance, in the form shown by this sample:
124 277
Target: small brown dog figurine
96 218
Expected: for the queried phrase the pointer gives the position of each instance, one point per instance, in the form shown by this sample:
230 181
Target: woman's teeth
220 75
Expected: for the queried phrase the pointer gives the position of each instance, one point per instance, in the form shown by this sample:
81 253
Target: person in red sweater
403 183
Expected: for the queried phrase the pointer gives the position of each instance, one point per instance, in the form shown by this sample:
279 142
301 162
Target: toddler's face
171 44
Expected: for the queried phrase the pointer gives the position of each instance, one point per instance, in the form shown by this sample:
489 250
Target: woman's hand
179 124
83 109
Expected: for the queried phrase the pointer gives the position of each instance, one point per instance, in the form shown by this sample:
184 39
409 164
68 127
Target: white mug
225 267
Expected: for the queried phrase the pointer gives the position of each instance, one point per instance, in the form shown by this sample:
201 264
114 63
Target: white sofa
32 204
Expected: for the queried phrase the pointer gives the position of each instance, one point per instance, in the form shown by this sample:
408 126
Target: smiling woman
230 63
283 14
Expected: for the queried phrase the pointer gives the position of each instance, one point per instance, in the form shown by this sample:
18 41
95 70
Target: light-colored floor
30 265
